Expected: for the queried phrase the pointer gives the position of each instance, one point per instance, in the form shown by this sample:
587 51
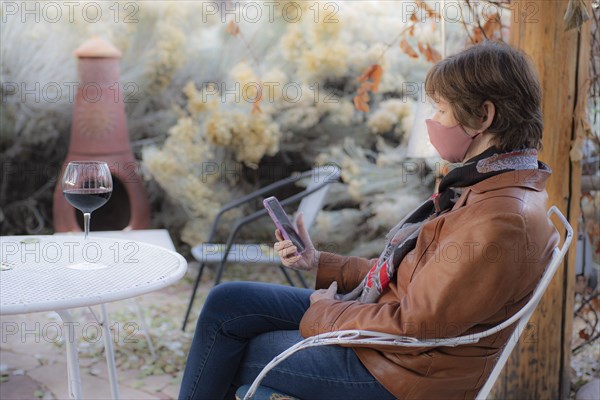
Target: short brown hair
499 73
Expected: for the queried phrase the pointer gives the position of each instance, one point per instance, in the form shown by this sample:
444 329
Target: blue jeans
243 325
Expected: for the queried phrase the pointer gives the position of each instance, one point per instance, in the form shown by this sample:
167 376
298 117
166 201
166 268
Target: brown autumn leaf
491 25
435 55
362 93
583 334
367 74
431 54
376 77
413 17
363 98
407 49
477 36
592 306
411 30
365 88
373 73
233 29
369 82
431 13
360 104
595 304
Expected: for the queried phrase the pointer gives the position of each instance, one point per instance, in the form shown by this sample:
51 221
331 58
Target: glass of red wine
87 186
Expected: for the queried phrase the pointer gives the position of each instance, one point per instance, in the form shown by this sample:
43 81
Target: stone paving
36 368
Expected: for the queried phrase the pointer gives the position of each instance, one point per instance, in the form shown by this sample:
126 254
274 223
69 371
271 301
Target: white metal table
57 273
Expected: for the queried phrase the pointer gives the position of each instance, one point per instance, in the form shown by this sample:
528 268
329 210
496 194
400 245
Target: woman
466 259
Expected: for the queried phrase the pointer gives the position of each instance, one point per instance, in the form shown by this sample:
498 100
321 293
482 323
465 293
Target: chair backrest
527 311
311 204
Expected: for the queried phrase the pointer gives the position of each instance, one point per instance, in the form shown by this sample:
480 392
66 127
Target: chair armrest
354 337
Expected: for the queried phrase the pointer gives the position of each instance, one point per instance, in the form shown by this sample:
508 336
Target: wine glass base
86 266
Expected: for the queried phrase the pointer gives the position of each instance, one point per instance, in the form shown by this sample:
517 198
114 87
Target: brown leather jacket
472 268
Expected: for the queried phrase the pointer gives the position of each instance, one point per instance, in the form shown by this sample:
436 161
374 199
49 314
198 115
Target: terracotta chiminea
99 132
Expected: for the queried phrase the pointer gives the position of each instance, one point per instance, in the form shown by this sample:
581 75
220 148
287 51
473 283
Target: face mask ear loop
475 135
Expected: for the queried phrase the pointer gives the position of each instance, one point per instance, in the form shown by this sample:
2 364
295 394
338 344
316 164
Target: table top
48 273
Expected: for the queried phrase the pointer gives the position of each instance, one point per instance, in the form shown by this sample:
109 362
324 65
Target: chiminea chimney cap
96 47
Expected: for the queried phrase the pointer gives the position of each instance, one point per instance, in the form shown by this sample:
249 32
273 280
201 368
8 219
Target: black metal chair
311 201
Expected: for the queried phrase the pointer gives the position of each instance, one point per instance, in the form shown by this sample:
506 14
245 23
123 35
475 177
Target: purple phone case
279 224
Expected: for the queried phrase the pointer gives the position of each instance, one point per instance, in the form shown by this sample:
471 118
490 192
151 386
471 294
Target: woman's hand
308 260
323 294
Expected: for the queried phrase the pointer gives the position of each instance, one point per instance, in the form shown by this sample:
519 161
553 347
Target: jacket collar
534 179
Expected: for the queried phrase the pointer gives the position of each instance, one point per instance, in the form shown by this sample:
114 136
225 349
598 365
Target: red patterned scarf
403 237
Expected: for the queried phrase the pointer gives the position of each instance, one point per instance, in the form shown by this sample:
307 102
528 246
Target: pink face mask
451 142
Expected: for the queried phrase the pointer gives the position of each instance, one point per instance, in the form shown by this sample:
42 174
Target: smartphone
283 223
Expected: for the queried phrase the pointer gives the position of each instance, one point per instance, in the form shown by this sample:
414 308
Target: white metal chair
360 337
311 201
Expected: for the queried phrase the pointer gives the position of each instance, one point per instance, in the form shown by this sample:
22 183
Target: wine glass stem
86 224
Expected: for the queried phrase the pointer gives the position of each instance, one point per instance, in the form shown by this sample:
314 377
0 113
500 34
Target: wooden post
539 367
